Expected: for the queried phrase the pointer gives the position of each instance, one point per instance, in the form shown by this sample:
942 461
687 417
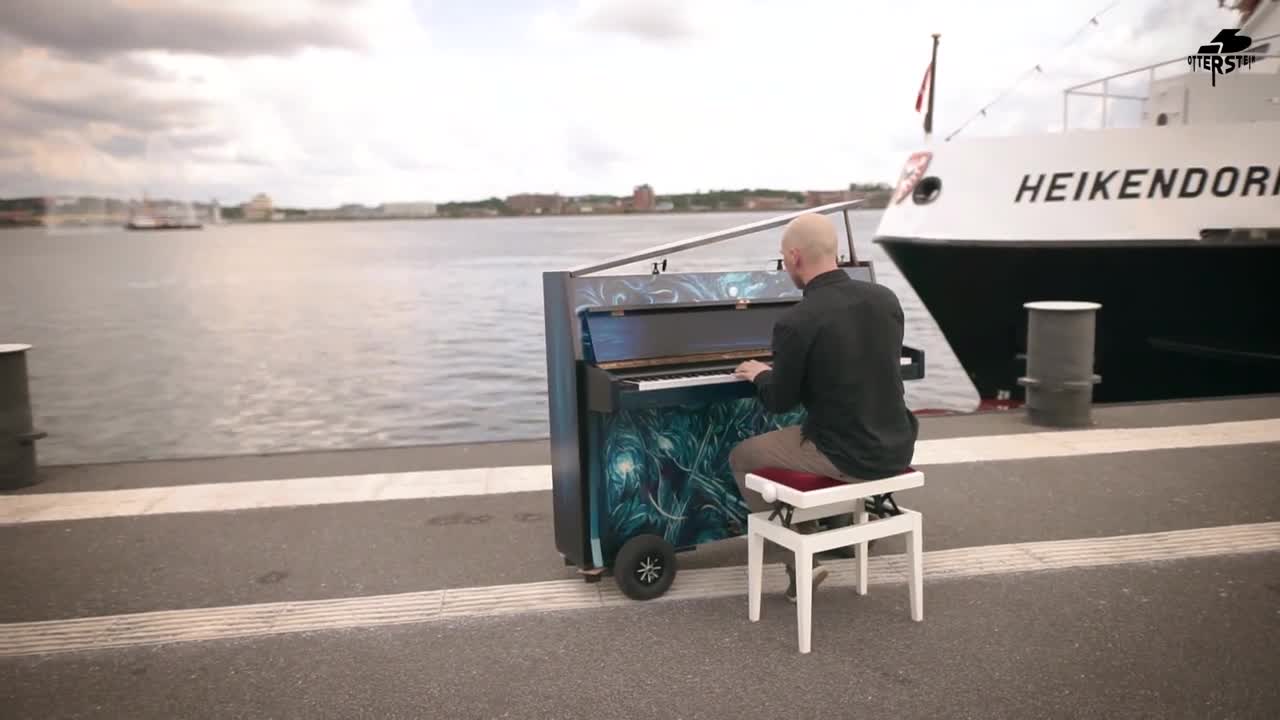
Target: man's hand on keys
750 369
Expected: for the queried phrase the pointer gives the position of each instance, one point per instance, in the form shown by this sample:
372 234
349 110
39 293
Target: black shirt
837 352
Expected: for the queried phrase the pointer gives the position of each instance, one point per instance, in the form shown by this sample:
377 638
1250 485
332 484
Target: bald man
836 353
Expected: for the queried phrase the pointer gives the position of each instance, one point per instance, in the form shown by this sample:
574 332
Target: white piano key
663 382
690 381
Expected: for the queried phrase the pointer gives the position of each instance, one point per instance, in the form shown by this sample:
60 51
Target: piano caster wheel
645 567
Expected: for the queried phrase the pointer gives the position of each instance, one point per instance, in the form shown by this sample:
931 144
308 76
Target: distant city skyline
52 210
643 190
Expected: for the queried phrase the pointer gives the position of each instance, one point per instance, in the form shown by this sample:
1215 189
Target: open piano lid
692 332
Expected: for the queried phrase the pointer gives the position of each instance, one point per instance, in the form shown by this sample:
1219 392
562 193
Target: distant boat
148 220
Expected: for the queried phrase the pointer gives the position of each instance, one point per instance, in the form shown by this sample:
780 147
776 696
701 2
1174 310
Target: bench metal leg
860 518
915 562
755 572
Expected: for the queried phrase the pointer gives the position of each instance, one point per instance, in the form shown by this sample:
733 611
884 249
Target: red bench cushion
802 481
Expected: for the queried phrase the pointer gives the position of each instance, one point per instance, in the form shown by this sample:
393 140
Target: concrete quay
1127 570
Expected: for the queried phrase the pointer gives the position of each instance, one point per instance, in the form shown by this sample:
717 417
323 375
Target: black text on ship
1146 183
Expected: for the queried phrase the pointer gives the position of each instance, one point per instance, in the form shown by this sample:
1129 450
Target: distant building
814 198
642 199
873 196
24 211
532 204
259 208
769 203
409 209
665 206
356 211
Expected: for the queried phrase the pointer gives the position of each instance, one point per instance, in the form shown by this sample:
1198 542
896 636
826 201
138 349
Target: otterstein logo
1148 183
1222 54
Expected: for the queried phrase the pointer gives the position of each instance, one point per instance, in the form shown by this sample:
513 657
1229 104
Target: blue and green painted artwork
622 290
665 471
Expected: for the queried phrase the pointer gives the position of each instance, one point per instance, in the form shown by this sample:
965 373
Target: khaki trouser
784 448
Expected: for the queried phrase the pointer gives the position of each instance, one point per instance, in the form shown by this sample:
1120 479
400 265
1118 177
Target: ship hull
1178 319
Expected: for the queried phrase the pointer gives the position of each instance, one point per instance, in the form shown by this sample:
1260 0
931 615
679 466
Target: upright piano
643 404
649 356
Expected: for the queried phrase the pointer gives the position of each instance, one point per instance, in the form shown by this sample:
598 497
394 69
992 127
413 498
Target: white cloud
663 21
93 28
407 103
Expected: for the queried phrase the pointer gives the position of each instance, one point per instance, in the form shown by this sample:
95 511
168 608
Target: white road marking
213 497
217 497
246 621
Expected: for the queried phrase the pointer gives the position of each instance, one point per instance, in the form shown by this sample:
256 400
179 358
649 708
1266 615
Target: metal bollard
1060 377
17 436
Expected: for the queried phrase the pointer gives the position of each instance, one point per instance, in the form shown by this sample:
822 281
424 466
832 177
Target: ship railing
1085 89
737 231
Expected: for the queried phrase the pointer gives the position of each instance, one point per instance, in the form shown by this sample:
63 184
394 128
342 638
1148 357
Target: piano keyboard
663 382
692 379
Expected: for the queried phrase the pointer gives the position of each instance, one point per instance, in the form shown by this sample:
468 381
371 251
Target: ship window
927 190
1162 119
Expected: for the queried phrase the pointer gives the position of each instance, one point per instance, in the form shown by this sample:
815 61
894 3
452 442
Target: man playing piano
836 353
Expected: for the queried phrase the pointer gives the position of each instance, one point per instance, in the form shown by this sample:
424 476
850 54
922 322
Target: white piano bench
801 497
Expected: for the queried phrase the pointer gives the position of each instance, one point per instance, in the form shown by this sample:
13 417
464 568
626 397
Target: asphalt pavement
1192 637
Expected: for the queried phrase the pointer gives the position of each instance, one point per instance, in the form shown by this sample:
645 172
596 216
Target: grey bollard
17 436
1060 377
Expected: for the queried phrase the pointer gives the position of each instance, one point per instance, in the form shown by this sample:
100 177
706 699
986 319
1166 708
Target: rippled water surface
267 338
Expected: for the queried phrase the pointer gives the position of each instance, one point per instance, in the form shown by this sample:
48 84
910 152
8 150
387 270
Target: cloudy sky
320 102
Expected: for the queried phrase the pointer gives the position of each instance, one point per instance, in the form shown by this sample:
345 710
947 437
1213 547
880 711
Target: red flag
924 84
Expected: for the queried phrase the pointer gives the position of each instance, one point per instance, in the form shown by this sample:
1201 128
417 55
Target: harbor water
241 339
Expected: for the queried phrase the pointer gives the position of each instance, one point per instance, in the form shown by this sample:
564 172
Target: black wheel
645 567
